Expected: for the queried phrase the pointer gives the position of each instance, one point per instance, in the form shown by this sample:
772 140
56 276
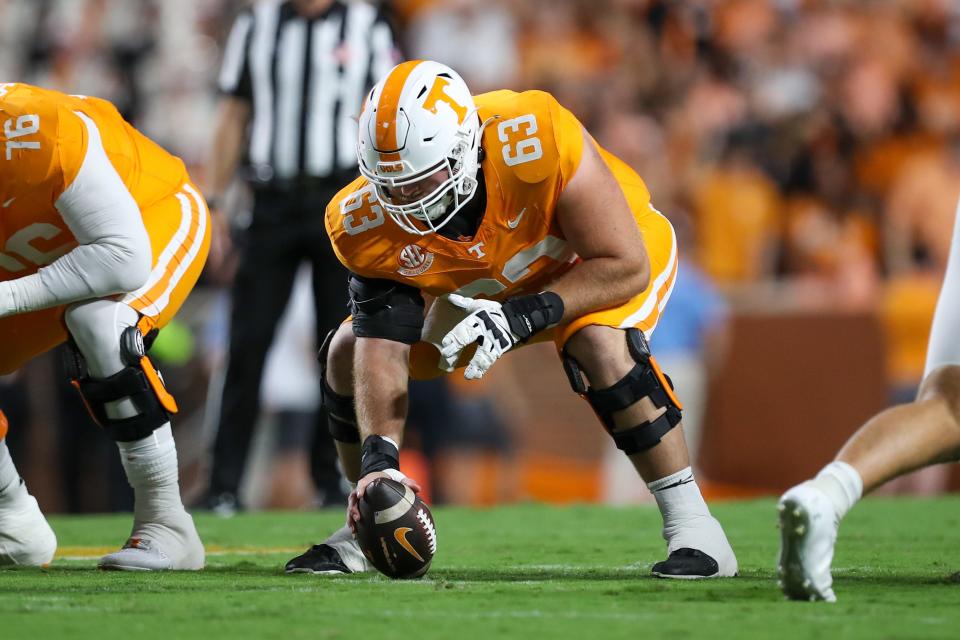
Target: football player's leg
25 537
909 437
636 404
894 442
340 552
125 395
330 299
336 367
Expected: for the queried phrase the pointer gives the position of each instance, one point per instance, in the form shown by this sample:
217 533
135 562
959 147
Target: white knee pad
96 327
122 390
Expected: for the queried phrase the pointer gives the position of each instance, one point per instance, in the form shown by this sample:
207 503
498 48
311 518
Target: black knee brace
341 414
139 381
645 380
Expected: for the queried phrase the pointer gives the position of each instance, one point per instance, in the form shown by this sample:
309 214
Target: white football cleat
808 534
26 538
171 546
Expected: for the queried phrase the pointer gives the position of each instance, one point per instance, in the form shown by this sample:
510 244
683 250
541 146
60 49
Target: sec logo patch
414 261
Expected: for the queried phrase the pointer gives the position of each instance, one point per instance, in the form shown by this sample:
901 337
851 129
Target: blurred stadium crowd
807 151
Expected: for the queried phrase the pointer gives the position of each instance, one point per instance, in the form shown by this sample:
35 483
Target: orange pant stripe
26 335
178 256
643 310
649 323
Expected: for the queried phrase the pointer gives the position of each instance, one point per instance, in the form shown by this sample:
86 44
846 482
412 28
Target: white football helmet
419 144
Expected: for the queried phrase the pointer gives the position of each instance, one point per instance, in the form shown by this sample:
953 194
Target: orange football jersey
49 142
42 147
532 150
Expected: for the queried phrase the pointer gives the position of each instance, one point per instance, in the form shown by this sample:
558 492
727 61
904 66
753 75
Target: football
396 530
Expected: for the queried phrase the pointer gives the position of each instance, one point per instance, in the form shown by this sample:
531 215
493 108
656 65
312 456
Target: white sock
679 499
151 466
683 509
687 522
842 484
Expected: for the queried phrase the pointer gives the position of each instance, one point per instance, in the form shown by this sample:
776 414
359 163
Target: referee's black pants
287 229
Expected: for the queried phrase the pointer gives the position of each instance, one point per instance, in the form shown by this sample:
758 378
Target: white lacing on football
429 529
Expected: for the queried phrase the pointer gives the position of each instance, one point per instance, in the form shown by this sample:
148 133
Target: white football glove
487 326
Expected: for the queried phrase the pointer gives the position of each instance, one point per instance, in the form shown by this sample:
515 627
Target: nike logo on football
9 202
513 223
400 533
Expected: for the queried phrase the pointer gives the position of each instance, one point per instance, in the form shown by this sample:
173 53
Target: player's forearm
87 272
113 256
226 149
381 376
598 283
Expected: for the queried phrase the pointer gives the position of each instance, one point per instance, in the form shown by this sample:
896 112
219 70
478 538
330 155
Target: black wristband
377 454
531 314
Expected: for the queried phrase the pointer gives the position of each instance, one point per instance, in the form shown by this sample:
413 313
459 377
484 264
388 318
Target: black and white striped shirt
306 79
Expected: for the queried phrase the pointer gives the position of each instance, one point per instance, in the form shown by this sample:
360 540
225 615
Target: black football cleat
687 564
320 559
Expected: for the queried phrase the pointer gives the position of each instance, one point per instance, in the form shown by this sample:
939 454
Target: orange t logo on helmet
408 137
437 94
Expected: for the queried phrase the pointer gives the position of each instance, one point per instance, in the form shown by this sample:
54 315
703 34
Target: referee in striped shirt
293 78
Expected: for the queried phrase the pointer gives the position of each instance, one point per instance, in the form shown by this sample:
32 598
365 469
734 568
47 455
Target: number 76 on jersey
24 125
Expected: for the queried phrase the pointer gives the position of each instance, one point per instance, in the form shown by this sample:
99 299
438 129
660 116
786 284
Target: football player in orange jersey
103 236
503 208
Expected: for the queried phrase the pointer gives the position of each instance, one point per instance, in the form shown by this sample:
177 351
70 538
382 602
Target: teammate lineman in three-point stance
103 237
892 443
506 210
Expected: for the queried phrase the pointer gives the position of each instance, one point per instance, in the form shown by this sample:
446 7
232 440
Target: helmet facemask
432 210
419 145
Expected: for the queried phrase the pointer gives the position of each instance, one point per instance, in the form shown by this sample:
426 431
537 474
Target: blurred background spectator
808 151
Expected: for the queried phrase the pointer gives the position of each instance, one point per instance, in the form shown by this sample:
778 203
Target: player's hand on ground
353 500
487 326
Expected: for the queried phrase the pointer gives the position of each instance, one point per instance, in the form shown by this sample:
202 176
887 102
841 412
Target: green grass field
521 571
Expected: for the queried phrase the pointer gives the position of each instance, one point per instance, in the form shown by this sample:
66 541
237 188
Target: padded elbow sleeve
386 309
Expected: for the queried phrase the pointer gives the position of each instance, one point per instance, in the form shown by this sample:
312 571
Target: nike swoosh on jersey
513 223
9 202
400 533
